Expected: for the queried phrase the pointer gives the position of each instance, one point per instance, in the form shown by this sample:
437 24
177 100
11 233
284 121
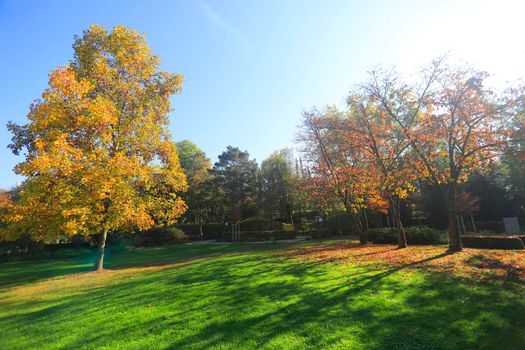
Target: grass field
274 296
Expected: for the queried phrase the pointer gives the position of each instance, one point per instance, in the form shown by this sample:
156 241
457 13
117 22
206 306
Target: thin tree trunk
367 227
363 234
101 248
473 224
454 237
462 224
396 218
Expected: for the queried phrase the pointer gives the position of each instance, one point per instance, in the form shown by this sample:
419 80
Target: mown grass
247 296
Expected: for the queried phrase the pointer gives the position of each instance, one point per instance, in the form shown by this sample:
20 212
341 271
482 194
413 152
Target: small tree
383 143
99 156
338 168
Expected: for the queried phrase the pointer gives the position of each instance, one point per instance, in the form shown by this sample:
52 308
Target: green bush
209 230
320 233
159 236
493 242
253 236
415 235
260 224
288 227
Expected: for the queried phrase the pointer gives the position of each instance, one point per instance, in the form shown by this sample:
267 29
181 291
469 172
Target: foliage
208 230
493 242
288 227
414 235
253 236
236 175
98 154
260 224
453 123
159 237
277 184
337 172
204 198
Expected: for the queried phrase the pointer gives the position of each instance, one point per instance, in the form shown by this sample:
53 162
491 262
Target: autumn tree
98 153
453 123
337 166
385 146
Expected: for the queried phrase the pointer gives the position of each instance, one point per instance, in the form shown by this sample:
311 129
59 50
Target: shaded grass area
224 296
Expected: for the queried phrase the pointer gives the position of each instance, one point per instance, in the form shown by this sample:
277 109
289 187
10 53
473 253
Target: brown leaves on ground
474 263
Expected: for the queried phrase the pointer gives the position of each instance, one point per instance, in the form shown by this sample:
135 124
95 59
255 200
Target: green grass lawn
223 296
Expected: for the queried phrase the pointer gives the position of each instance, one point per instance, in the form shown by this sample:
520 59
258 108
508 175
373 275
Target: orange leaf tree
338 169
453 123
385 147
98 153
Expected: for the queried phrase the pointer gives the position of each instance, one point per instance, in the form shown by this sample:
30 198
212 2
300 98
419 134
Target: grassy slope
249 296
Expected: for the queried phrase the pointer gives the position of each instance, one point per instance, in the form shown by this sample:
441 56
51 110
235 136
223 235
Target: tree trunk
363 234
463 228
400 229
454 237
473 224
101 248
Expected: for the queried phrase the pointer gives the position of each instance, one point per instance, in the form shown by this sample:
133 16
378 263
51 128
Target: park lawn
315 295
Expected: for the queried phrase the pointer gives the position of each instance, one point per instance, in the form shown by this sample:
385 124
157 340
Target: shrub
159 236
288 227
253 236
493 242
209 230
260 224
320 233
415 235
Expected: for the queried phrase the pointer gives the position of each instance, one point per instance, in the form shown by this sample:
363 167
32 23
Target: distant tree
236 174
99 157
203 197
278 181
193 161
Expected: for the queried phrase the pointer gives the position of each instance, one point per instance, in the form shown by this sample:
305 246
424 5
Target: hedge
159 236
415 235
493 242
260 224
252 236
209 231
320 233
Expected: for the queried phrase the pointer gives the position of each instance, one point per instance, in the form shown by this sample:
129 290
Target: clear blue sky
251 67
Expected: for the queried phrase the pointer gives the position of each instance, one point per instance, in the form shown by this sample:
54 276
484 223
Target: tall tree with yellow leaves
98 153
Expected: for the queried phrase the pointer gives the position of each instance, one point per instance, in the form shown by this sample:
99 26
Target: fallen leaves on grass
475 263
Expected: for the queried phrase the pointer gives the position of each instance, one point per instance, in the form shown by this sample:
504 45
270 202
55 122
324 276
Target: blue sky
251 67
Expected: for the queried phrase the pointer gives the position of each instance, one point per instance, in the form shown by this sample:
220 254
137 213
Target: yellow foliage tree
99 156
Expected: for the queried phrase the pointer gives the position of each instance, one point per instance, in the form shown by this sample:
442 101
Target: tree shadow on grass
260 300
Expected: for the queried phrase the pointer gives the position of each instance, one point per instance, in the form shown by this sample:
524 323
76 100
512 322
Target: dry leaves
475 263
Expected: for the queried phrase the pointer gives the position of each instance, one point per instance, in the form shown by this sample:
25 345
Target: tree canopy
98 153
